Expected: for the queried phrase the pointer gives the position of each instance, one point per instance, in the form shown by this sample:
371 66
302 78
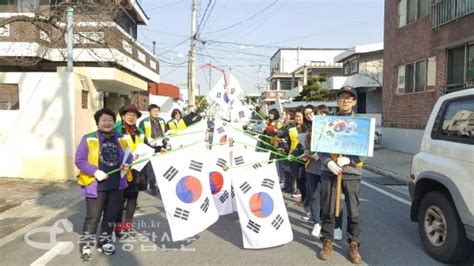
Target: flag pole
338 188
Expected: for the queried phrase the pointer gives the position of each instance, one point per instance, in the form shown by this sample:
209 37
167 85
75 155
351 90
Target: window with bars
84 99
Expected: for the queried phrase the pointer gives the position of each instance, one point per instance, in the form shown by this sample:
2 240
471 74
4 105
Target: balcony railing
445 11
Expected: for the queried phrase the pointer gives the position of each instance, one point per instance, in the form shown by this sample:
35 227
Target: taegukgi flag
262 212
183 179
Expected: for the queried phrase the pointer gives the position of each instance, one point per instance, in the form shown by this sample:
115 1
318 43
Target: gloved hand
334 168
100 175
343 161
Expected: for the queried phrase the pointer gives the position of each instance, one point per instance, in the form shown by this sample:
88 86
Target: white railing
445 11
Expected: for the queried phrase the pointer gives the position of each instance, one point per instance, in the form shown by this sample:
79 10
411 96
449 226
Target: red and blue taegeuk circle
189 189
261 204
217 181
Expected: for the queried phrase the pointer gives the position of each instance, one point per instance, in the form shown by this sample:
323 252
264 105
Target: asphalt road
388 238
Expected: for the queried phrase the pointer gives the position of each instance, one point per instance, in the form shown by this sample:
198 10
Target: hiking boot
326 251
354 252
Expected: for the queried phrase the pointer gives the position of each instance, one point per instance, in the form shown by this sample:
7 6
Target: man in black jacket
351 169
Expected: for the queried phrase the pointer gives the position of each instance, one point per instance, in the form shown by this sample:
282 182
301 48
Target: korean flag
183 179
219 178
262 212
189 135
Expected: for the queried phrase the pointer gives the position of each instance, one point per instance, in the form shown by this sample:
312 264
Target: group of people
109 187
311 177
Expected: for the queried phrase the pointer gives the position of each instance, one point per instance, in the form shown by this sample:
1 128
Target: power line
204 16
208 16
245 20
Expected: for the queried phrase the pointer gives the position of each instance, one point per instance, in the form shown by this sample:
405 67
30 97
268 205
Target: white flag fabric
141 152
196 132
183 179
262 212
219 178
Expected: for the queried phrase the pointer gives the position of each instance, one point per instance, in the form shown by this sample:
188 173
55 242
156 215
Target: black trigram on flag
254 226
221 162
224 196
239 160
277 222
170 173
245 187
219 94
181 214
195 165
220 130
232 193
257 165
241 114
205 205
268 183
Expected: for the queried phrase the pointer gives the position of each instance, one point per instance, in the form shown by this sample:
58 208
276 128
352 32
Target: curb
387 173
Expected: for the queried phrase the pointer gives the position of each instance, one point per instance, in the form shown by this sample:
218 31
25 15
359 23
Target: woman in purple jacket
98 153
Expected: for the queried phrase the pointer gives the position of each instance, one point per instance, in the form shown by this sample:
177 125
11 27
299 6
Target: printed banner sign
343 135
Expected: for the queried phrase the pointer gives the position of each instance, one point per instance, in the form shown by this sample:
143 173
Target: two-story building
428 51
291 67
44 109
363 67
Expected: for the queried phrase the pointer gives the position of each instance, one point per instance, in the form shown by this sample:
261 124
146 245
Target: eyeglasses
131 115
348 98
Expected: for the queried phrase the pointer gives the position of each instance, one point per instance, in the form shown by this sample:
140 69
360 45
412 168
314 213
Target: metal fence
445 11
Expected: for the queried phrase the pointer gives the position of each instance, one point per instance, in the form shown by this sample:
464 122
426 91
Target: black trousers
107 205
151 175
350 188
129 204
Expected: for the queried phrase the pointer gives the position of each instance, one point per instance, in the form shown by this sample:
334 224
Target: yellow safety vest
293 133
93 146
147 126
172 125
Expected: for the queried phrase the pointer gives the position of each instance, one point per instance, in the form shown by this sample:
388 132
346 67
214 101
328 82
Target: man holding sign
338 164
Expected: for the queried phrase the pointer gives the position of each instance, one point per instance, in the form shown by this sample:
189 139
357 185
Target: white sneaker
337 234
316 230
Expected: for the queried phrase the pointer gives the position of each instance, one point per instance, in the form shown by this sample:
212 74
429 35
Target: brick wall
402 46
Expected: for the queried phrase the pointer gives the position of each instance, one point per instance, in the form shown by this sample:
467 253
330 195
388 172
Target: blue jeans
314 197
314 187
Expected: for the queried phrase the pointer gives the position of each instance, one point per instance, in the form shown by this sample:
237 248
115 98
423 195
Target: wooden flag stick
338 189
338 194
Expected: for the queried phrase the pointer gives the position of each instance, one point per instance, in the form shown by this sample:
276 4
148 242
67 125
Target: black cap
348 89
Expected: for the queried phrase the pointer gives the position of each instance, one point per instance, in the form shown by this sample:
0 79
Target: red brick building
429 51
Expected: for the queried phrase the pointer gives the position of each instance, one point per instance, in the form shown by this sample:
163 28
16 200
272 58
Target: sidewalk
390 163
26 204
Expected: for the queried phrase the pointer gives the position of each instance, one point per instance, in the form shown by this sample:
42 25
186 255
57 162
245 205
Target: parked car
255 125
441 182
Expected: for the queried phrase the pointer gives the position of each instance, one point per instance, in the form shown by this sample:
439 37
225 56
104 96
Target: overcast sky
243 35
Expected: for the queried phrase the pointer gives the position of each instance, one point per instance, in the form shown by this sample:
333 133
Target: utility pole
191 64
69 55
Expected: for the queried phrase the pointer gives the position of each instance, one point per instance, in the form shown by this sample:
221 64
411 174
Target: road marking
56 250
404 201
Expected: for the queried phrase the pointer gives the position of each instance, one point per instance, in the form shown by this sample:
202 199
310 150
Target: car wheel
441 230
